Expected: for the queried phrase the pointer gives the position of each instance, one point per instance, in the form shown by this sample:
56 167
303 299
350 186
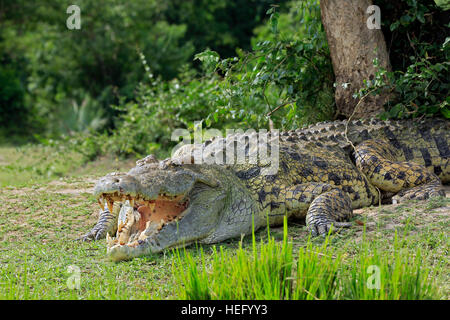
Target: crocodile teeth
125 231
133 237
144 235
132 217
151 227
116 209
121 224
109 241
102 206
110 203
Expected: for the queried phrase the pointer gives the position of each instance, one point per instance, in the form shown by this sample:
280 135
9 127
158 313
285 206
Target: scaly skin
320 179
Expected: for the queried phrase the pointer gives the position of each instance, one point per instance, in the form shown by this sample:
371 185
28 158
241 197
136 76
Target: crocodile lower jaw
140 218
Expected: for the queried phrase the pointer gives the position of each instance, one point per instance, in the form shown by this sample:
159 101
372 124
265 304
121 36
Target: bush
58 67
415 33
13 114
287 77
286 80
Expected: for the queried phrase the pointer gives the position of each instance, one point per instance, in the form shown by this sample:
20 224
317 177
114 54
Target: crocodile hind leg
324 204
422 192
378 160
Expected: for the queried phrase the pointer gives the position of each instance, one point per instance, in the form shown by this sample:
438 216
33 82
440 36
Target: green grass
404 274
41 217
261 273
31 164
273 271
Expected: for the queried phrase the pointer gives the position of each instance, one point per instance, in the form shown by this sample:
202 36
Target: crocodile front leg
107 223
325 206
329 209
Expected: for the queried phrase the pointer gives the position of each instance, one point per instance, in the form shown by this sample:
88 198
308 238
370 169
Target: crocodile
324 172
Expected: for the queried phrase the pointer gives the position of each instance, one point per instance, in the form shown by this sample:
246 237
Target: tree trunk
353 47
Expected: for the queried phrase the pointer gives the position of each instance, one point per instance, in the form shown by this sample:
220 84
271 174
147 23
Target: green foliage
146 125
95 85
98 62
55 67
83 117
415 33
443 4
230 24
14 116
286 78
420 91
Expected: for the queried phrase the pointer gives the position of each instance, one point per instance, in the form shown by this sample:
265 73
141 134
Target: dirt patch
65 187
55 186
414 215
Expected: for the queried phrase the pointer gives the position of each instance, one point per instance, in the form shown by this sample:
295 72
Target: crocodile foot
422 192
105 224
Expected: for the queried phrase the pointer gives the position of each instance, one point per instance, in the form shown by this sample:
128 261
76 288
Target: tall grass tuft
400 274
263 273
270 271
317 271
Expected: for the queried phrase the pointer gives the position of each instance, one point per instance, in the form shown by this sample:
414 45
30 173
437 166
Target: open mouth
140 218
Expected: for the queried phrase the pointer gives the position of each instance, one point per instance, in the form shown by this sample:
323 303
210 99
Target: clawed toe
324 229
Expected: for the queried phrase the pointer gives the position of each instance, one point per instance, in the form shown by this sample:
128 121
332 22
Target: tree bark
353 47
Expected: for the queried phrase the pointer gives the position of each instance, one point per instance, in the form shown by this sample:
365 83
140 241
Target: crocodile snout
117 182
